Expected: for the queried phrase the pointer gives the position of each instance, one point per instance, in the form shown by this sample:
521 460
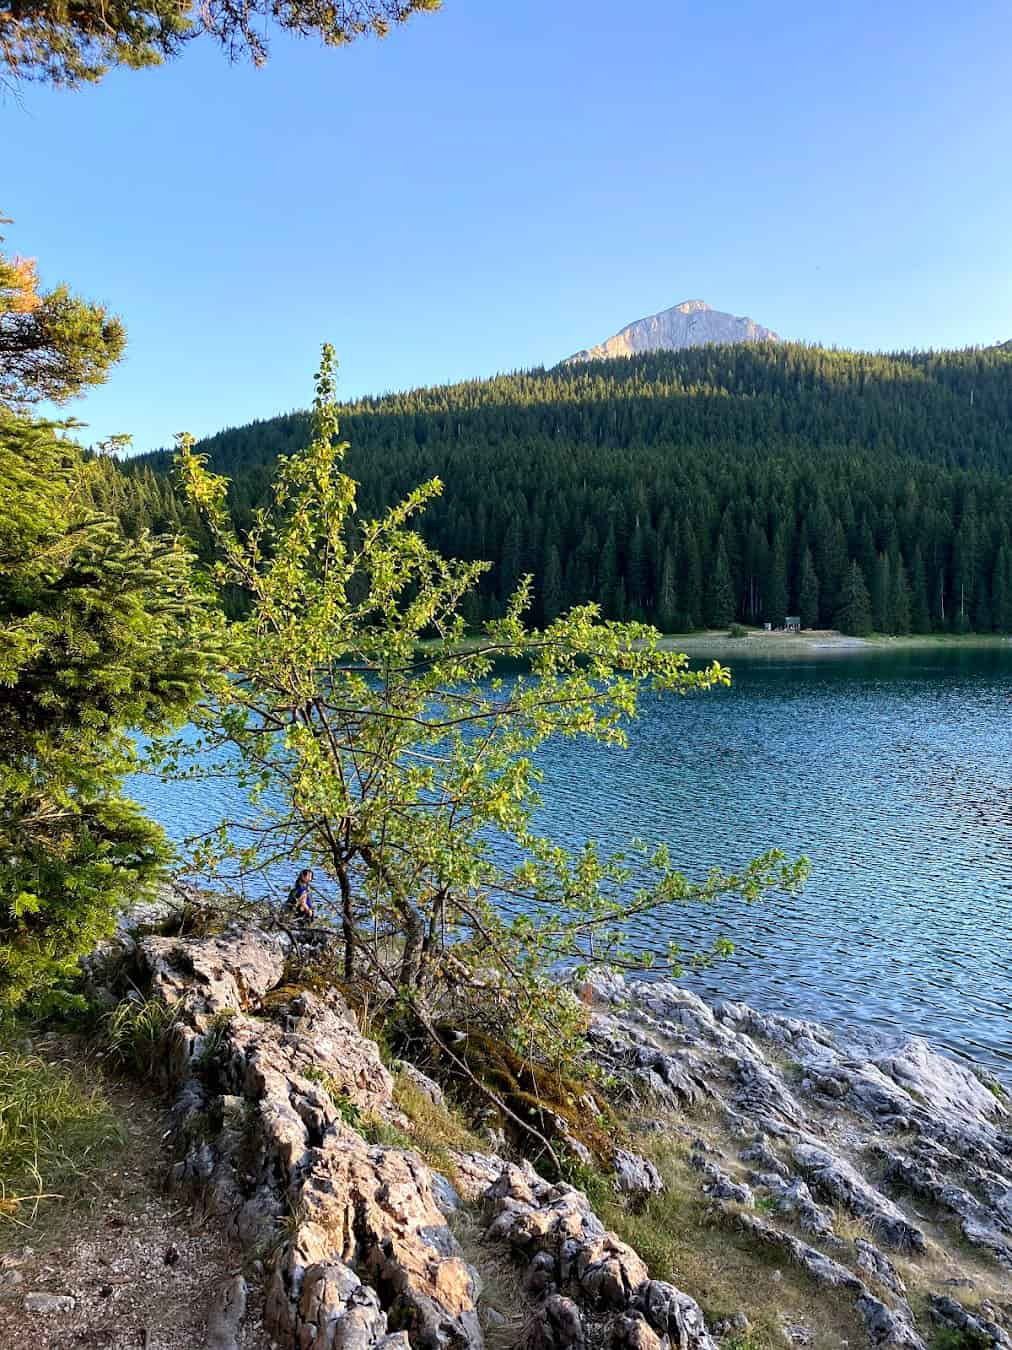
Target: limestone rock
794 1199
570 1252
476 1172
424 1084
834 1177
673 1314
225 1315
371 1254
939 1083
47 1304
886 1327
719 1186
981 1226
634 1175
557 1325
219 974
876 1264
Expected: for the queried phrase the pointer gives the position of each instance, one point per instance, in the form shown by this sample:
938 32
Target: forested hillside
696 487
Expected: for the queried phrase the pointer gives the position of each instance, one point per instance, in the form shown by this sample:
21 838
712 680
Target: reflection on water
891 771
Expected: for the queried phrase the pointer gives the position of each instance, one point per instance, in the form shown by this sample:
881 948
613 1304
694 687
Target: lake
891 770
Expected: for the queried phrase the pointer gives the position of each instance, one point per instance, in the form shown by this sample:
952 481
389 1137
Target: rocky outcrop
830 1131
591 1286
274 1090
269 1086
281 1107
691 324
887 1327
836 1179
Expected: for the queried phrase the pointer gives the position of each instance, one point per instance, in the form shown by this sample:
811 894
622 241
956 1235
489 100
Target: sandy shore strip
816 643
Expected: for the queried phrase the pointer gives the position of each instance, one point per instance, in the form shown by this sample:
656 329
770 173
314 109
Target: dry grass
435 1130
503 1309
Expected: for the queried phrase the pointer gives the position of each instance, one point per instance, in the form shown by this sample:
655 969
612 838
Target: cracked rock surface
830 1134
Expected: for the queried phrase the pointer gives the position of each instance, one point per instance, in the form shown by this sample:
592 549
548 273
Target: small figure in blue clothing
300 897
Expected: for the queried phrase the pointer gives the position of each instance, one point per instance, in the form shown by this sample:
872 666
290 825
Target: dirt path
127 1263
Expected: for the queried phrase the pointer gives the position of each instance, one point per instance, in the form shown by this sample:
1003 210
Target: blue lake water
891 770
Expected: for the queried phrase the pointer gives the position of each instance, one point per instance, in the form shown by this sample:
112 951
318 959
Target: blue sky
507 181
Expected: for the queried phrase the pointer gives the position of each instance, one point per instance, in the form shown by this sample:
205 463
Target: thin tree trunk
347 921
414 935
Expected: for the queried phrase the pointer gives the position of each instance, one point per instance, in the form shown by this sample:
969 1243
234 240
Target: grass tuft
135 1032
52 1132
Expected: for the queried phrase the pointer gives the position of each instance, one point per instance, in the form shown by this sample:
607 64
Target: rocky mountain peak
692 323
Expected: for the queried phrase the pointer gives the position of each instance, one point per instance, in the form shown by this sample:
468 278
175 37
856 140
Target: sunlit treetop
70 42
52 344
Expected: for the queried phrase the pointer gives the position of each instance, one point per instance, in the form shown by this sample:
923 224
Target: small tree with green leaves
381 748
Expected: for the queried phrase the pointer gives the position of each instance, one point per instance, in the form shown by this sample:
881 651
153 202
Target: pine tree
920 610
551 590
667 600
509 567
775 591
69 45
638 573
808 592
1001 589
899 599
52 345
100 637
608 576
881 595
964 569
720 604
691 573
854 614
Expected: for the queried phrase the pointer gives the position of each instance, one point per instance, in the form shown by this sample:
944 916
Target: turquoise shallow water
892 771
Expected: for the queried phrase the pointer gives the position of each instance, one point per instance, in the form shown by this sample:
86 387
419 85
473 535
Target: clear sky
505 182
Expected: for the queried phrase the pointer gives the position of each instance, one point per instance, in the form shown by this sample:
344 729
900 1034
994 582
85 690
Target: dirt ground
140 1270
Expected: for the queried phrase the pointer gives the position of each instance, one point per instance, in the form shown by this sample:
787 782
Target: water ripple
891 771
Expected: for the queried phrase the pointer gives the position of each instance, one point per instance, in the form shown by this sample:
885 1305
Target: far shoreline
816 643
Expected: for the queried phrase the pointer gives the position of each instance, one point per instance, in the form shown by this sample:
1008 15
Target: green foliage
958 1338
635 471
135 1033
52 344
720 601
62 44
378 748
99 635
51 1131
747 1340
214 1039
435 1128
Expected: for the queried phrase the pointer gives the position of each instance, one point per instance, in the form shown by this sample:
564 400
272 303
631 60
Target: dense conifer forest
701 487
